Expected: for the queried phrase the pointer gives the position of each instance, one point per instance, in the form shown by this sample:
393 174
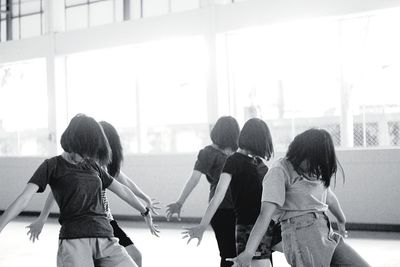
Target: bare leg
135 254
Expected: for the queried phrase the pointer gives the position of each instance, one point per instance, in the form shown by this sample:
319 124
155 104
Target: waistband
315 215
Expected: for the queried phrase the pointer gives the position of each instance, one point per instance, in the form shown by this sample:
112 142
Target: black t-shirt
210 162
77 190
246 186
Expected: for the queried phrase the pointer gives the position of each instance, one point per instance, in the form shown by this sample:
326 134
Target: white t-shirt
293 193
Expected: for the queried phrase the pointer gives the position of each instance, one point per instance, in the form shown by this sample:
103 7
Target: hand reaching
153 227
152 204
194 232
35 229
174 208
242 260
342 230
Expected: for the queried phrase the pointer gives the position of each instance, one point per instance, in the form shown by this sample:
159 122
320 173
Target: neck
72 157
226 151
245 152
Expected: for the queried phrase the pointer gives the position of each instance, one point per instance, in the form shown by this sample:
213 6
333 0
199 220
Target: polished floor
169 250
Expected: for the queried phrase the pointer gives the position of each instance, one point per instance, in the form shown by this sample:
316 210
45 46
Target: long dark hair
225 133
86 137
256 138
114 140
315 148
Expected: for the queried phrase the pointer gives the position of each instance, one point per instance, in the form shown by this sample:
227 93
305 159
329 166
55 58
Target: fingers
169 214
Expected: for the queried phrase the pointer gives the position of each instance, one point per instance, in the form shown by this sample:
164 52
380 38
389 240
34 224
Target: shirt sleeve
41 177
204 161
230 165
274 186
106 178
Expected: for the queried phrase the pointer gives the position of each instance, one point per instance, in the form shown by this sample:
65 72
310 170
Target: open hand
152 204
242 260
153 227
172 208
35 229
194 232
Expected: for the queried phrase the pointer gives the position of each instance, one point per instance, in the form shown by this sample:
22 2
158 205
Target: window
154 93
21 19
23 109
87 13
341 75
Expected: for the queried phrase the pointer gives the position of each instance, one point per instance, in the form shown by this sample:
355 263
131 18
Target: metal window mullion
41 17
126 6
8 20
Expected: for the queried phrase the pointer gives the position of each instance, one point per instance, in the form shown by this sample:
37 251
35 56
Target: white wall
370 194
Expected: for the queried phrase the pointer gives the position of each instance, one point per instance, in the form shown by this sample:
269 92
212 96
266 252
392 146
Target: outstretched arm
336 210
191 183
35 228
127 195
258 231
125 180
18 205
220 191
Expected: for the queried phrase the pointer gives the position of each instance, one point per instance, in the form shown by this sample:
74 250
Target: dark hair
315 146
114 166
86 137
225 133
256 138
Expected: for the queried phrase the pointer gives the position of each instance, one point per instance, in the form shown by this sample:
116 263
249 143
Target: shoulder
211 151
280 167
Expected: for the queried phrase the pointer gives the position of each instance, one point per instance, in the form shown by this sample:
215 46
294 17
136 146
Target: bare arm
191 183
18 205
125 180
220 191
129 197
334 206
126 195
35 228
336 210
258 231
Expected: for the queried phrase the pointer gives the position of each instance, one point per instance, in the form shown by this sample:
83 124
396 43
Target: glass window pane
136 9
76 17
101 13
30 26
29 7
15 10
23 109
372 63
336 74
183 5
287 75
3 29
15 29
103 84
119 10
222 2
149 113
74 2
155 7
180 68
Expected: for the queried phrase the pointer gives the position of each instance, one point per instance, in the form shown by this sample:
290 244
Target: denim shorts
264 249
86 252
308 240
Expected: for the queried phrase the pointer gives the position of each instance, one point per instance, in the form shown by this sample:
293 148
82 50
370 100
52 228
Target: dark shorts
124 240
270 239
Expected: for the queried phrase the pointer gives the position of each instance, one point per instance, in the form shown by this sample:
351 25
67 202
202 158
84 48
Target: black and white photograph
199 133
